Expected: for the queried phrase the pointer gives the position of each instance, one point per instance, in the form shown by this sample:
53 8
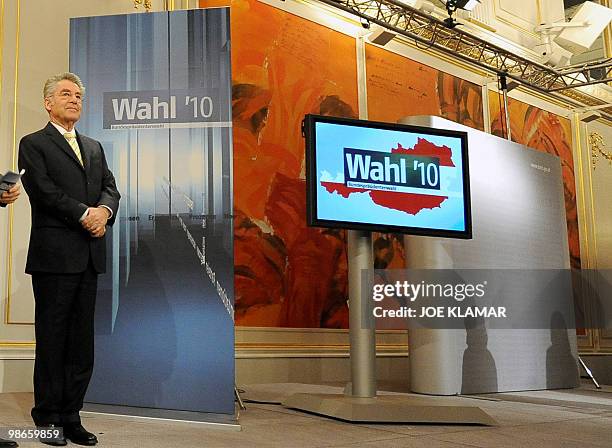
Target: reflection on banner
201 253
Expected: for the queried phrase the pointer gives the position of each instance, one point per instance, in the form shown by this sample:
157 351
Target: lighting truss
596 72
432 32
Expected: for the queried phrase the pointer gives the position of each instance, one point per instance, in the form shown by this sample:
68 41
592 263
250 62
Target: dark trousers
64 325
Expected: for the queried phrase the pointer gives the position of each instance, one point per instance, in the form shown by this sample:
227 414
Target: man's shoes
53 441
79 435
7 443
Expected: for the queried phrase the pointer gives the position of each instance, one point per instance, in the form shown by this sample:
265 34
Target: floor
570 418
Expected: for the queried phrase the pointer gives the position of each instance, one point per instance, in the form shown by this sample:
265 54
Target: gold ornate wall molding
146 4
598 149
262 342
11 218
596 217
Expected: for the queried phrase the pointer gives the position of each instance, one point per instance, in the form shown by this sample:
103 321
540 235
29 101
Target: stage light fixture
552 54
422 5
454 5
589 116
561 40
579 39
468 5
380 35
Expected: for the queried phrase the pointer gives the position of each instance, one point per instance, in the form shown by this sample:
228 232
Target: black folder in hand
9 179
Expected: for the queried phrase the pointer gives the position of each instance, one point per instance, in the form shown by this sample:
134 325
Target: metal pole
504 89
239 398
589 373
362 329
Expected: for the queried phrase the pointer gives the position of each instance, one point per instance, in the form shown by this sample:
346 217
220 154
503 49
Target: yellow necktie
72 141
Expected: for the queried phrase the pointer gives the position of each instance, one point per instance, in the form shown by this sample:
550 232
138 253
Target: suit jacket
60 190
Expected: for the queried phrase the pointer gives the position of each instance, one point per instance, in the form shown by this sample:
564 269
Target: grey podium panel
518 216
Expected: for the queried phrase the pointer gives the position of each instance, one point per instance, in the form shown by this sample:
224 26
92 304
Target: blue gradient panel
164 316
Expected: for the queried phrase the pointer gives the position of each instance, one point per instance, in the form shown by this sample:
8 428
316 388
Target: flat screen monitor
384 177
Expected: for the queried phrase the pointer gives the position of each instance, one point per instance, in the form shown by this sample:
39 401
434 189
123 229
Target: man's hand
99 232
95 221
10 196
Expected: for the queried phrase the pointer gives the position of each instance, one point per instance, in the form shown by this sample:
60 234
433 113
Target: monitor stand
360 403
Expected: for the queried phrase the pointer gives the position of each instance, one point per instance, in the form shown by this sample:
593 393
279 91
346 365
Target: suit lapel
60 141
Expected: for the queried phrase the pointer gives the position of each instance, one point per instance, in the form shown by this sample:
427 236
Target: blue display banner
158 98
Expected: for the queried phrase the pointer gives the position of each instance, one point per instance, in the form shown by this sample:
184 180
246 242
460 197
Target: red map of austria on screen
410 203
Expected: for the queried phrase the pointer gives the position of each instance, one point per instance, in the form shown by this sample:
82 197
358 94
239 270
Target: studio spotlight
380 35
468 5
422 5
454 5
589 22
511 85
587 117
561 40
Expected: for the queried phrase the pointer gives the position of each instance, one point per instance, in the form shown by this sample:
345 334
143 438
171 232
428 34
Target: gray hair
51 83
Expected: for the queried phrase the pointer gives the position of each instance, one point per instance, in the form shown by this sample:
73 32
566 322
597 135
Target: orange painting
399 87
283 67
549 133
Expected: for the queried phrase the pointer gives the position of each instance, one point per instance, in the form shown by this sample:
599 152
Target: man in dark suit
73 198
